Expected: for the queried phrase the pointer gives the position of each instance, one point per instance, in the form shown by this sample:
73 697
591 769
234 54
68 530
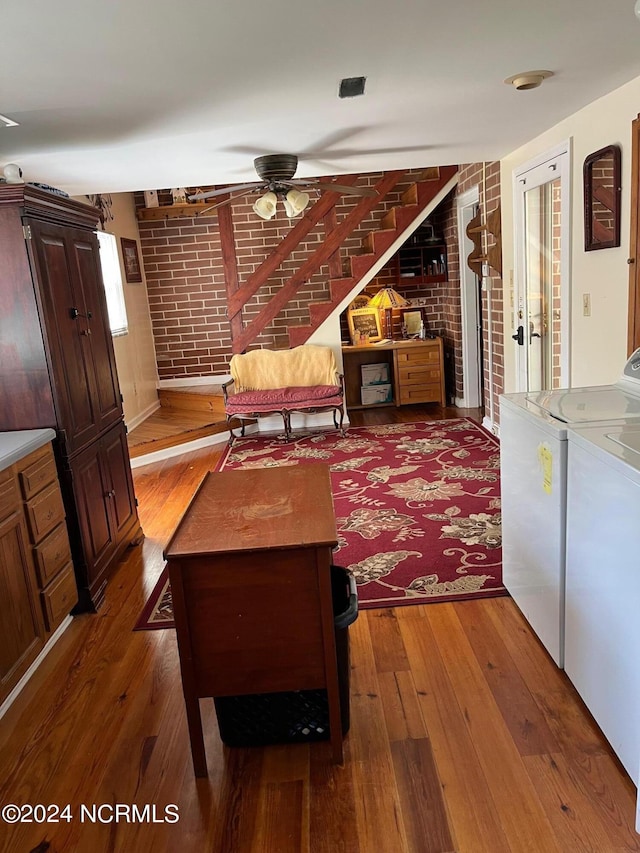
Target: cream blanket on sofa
263 370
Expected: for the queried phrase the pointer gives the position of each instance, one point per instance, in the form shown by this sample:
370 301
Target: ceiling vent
351 87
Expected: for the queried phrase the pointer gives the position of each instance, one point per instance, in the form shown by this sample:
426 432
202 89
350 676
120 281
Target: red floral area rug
417 508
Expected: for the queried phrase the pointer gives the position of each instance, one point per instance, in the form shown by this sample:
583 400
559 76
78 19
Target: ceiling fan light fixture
265 206
296 203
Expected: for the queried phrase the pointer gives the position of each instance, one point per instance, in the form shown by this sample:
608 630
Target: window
112 277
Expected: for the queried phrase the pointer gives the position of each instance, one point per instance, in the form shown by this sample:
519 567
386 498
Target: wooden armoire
57 369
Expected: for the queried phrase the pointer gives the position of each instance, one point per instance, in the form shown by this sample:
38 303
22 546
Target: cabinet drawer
9 496
44 512
420 394
59 598
419 375
421 355
37 475
52 554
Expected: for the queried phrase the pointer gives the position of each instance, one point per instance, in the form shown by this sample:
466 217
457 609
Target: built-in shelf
173 211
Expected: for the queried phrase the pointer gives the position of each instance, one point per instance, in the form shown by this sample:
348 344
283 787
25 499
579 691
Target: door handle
519 336
533 334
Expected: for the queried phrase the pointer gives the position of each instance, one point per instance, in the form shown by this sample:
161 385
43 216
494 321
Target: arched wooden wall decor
493 254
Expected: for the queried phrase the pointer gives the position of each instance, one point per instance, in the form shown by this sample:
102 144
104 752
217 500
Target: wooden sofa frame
285 401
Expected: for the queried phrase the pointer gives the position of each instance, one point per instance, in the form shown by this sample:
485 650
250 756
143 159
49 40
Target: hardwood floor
464 735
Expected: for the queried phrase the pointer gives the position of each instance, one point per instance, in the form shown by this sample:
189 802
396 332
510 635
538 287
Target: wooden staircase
393 225
199 398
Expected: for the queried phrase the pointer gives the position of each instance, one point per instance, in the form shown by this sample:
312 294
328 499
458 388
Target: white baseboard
489 425
134 422
193 380
21 684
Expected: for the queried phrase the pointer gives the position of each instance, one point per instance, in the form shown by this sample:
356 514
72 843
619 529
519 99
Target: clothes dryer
602 628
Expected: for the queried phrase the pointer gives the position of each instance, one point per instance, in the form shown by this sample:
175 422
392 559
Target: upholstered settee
267 382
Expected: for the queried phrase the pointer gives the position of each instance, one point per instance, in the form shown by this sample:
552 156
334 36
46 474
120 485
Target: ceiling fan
276 173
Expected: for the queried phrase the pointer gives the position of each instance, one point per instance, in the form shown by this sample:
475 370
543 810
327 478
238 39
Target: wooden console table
416 371
250 575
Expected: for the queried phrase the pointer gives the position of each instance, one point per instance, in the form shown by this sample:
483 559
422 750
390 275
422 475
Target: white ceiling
117 95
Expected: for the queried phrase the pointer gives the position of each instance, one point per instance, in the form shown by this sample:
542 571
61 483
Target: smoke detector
528 79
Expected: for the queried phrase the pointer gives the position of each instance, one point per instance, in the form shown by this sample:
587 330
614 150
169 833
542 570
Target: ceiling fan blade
229 200
223 191
341 188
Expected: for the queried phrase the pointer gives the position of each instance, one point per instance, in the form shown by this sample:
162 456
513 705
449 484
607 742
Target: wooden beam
313 215
330 224
229 264
315 261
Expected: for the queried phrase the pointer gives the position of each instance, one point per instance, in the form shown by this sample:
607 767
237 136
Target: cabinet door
118 473
106 403
91 488
67 270
67 340
105 505
21 629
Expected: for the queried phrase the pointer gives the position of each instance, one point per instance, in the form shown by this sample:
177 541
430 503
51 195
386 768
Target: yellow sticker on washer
546 460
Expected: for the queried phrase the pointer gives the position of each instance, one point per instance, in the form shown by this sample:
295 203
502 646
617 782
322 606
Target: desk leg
194 721
336 736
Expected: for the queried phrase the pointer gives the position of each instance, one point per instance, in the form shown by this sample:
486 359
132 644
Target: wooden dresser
416 371
37 582
250 569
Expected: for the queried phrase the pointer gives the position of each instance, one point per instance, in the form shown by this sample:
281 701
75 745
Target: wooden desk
416 371
250 574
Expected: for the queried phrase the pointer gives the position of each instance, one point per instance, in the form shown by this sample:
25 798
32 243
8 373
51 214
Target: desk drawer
423 355
420 394
52 554
419 375
44 512
59 597
39 473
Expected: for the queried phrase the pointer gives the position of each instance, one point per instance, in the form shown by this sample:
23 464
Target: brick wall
185 279
187 294
487 180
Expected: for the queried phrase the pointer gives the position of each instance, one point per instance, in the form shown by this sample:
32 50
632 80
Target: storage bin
370 394
298 716
376 373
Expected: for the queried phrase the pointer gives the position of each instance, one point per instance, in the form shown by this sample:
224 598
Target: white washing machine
533 470
602 600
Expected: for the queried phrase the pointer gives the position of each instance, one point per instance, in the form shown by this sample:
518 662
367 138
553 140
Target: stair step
162 442
299 335
379 240
410 196
200 398
361 264
388 221
339 287
431 173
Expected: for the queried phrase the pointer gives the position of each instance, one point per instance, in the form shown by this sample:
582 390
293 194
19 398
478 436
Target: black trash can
296 716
